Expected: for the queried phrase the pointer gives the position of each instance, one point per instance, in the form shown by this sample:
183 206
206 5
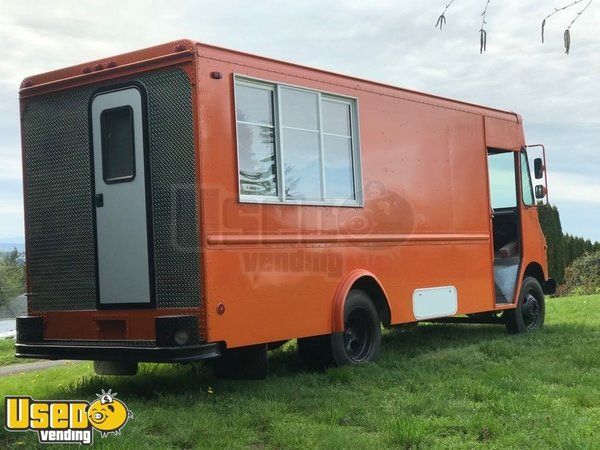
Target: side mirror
538 168
540 191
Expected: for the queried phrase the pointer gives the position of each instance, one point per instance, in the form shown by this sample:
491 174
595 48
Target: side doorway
504 178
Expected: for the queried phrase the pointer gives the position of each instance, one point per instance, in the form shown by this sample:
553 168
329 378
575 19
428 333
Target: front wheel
530 311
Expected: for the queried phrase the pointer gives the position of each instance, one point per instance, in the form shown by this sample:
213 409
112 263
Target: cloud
11 217
575 188
11 207
11 164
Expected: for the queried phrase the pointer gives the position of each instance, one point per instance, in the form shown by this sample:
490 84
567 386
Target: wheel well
535 270
373 290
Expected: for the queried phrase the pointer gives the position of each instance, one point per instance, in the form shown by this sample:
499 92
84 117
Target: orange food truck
188 202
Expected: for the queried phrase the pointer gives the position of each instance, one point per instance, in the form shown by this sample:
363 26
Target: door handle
99 200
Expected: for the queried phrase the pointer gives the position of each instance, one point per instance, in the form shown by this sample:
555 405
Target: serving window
296 145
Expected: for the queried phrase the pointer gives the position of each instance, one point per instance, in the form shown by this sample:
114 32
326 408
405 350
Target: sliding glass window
296 145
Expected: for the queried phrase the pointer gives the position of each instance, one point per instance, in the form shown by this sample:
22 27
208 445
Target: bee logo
108 414
66 421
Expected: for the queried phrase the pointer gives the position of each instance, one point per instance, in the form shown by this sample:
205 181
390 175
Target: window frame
280 199
492 151
104 146
523 154
276 137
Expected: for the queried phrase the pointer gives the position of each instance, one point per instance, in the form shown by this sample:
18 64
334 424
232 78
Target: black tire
361 339
315 352
115 368
243 363
359 343
530 312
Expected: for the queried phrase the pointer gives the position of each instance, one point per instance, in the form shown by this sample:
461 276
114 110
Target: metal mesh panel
173 180
60 253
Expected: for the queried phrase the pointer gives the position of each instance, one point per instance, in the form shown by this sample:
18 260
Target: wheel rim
531 311
358 335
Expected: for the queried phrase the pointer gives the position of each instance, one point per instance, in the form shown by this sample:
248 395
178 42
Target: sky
389 41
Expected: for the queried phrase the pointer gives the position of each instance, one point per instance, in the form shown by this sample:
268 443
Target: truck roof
86 72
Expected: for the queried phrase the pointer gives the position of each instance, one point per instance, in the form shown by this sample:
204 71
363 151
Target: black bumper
169 331
97 352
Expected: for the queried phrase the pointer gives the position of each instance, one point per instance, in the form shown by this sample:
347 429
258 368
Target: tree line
12 275
563 248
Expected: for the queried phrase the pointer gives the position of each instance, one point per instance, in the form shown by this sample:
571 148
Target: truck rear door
120 192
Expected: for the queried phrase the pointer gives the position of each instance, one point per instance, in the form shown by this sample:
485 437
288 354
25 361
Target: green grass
7 353
459 386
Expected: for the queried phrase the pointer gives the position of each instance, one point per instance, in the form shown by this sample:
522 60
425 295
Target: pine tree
557 248
565 248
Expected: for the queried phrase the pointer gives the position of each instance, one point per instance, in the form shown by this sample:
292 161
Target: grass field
7 353
459 386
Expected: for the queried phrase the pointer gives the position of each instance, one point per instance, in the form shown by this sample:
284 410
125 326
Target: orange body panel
281 271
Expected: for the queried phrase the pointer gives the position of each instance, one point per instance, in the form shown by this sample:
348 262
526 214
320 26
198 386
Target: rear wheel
315 352
243 363
359 343
530 311
115 368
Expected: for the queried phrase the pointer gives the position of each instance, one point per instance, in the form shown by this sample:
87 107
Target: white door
121 212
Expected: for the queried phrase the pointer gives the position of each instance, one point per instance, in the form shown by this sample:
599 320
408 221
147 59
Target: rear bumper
176 340
97 351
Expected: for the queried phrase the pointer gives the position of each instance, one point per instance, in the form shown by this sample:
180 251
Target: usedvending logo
67 421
